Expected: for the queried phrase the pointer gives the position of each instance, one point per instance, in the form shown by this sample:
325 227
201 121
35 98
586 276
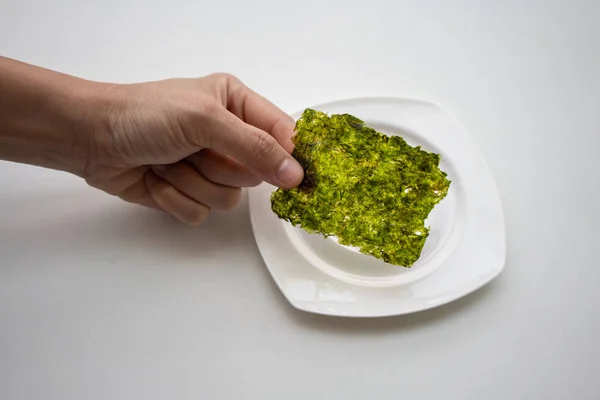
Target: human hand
187 146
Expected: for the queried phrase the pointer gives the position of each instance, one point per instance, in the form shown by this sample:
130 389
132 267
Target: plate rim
447 296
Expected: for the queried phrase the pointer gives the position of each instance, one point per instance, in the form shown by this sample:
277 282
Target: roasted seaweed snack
370 190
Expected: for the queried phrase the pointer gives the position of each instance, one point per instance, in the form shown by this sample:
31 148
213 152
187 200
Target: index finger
257 111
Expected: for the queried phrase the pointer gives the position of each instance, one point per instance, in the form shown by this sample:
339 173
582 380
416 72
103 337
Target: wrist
48 119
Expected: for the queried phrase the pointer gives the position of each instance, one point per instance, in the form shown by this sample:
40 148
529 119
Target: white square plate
464 251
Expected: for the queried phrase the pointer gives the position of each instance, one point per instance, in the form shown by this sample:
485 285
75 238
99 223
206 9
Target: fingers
253 147
259 112
174 202
190 183
182 192
222 169
139 194
128 186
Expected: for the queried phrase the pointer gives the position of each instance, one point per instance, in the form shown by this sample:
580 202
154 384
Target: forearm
46 118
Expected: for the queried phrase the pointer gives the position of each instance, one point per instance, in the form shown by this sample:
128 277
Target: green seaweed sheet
370 190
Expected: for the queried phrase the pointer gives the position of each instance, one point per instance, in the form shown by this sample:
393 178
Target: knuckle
207 107
161 192
163 171
225 78
199 109
264 145
197 216
159 189
228 199
196 114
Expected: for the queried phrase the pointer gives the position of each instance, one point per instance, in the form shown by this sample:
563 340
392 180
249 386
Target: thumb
255 148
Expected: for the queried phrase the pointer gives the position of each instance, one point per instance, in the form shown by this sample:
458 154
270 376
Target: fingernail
289 171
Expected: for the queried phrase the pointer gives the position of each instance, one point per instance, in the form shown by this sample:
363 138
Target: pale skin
183 146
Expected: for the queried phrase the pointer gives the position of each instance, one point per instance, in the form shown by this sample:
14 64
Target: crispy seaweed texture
370 190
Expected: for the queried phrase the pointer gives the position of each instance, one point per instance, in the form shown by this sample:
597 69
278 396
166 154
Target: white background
104 300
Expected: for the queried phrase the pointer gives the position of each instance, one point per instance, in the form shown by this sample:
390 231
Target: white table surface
104 300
